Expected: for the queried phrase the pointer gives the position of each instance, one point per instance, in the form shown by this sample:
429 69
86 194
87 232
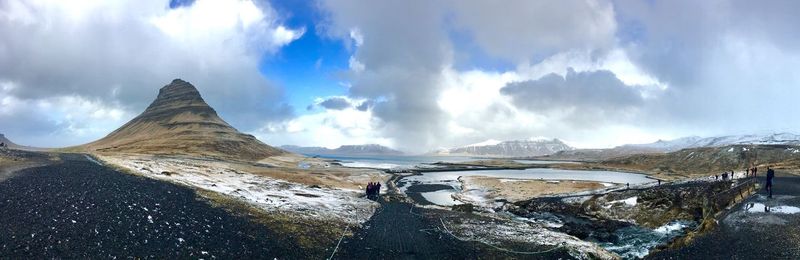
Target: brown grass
518 190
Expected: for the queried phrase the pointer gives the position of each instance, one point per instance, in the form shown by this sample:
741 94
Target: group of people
725 176
373 189
752 171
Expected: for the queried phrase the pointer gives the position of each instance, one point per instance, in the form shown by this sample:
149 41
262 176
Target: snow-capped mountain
365 149
694 141
517 148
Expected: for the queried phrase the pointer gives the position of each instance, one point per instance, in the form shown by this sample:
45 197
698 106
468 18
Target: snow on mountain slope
517 148
694 141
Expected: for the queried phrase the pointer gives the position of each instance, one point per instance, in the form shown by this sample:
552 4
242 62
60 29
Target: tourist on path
770 176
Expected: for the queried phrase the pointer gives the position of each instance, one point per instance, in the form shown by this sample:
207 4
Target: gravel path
79 209
756 235
400 230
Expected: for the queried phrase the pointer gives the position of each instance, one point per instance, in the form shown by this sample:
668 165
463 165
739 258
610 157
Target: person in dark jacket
770 176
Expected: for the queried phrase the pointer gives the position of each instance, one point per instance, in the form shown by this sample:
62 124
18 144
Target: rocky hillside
366 149
705 161
179 121
519 148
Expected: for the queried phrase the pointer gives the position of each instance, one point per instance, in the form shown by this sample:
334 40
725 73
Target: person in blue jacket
770 176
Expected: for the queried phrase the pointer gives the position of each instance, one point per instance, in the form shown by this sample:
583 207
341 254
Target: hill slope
179 121
8 143
704 161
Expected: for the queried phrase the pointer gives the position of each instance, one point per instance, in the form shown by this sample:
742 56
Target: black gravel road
400 230
751 235
79 209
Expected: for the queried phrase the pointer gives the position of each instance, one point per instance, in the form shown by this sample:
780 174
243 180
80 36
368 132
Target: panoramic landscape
338 129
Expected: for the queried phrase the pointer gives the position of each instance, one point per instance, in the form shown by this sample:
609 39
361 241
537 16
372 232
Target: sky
412 75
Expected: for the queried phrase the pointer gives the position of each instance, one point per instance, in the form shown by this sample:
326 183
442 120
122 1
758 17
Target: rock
468 208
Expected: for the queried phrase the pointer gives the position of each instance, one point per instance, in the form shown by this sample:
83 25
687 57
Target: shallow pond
442 196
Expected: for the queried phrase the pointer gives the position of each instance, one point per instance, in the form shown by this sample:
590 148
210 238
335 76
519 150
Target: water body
635 242
393 161
442 195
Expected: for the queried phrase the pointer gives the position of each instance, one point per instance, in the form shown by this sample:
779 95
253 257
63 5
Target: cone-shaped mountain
179 121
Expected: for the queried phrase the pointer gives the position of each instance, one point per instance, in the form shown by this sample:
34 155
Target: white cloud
117 54
328 128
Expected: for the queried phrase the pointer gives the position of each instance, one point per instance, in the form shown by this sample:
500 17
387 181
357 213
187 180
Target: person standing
770 176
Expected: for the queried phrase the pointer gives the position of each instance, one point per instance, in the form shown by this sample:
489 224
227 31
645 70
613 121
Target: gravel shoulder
80 209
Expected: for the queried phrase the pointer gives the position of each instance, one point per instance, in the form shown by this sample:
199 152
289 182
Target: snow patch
261 191
629 201
760 207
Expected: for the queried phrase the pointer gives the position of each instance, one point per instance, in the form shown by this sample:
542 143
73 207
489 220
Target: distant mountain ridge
364 149
695 141
661 146
179 121
515 148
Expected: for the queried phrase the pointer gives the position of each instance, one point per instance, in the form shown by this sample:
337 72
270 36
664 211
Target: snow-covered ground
495 233
270 194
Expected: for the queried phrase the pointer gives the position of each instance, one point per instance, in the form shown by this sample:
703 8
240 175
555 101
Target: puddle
608 178
760 207
441 197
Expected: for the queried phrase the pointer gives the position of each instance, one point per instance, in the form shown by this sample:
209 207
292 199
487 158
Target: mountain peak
179 121
178 86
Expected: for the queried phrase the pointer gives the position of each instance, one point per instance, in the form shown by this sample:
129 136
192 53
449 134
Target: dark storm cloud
587 90
366 105
595 92
336 103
